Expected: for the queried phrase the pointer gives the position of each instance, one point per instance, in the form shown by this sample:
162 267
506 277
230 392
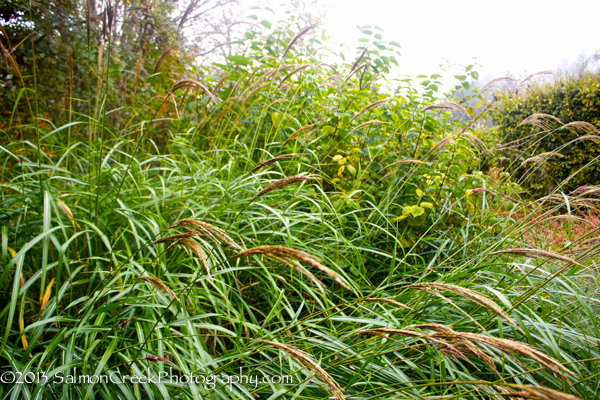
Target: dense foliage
571 100
291 216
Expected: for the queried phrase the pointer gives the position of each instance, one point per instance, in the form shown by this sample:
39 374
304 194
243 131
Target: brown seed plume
506 345
176 236
278 253
400 162
271 161
294 71
542 121
534 253
297 36
190 83
306 360
156 359
447 105
536 393
160 285
468 294
297 132
542 157
290 180
375 121
369 107
209 230
193 246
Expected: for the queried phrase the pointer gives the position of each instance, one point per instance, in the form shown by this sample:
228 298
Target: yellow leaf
419 192
341 170
22 327
426 205
46 295
276 119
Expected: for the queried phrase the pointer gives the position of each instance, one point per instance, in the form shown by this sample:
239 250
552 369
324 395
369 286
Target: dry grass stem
271 161
593 138
190 83
290 180
256 90
297 132
585 190
375 121
468 294
582 126
529 77
369 107
11 63
536 393
156 359
306 360
447 105
358 60
476 142
495 83
160 286
209 230
279 253
294 71
506 345
441 144
176 236
162 58
220 83
542 121
534 253
297 36
400 162
302 270
543 157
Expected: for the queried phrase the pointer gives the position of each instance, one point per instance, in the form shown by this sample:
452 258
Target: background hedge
569 98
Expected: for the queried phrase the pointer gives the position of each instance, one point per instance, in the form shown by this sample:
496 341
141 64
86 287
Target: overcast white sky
518 36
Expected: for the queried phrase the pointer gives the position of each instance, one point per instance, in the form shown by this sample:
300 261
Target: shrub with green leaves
572 101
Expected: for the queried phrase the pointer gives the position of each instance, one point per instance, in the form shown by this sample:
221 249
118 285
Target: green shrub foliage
570 99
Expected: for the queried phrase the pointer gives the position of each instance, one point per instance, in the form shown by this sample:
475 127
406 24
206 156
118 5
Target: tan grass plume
536 393
190 83
447 105
542 157
271 161
297 132
400 162
506 345
534 253
369 107
193 246
209 230
160 285
542 121
290 180
278 253
306 360
297 36
467 294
